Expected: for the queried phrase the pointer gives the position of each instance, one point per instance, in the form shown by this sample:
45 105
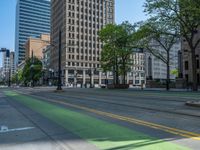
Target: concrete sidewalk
21 128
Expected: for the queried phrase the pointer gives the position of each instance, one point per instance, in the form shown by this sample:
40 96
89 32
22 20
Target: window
198 79
197 64
186 65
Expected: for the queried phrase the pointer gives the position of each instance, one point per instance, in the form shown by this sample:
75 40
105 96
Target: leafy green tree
185 15
109 53
118 47
32 71
14 79
155 34
17 77
125 46
174 72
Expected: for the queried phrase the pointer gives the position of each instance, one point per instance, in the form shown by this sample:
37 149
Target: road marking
4 129
183 133
192 135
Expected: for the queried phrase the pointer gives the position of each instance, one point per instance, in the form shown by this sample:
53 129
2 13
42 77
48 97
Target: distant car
3 86
103 86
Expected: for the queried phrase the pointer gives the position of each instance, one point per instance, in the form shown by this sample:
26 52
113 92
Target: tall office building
12 63
6 63
79 22
32 19
8 68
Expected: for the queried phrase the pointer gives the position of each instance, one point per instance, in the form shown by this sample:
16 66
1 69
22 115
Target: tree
185 15
155 34
174 72
108 36
17 77
125 44
117 49
32 70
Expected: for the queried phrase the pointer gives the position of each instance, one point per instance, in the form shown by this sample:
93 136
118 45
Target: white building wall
159 70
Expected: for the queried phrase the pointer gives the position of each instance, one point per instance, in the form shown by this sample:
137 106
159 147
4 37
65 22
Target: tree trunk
168 78
117 74
124 76
194 71
168 72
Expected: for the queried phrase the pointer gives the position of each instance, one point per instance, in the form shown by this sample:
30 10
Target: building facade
32 19
1 75
6 63
186 67
36 45
79 22
155 68
8 66
137 75
12 63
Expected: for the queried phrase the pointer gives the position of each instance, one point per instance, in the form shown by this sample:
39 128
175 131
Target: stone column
84 79
107 77
140 79
100 73
66 77
133 78
127 78
92 77
75 77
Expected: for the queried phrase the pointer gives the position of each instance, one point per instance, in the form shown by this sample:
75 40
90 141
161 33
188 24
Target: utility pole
17 78
32 69
59 87
9 81
90 73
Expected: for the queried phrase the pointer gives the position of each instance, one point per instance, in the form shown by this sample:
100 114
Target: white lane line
4 129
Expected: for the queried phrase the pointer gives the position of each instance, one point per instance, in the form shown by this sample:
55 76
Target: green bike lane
102 134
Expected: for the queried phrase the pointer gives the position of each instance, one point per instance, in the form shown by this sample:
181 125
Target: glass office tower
32 19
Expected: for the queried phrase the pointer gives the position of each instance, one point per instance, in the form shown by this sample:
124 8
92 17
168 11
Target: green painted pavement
102 134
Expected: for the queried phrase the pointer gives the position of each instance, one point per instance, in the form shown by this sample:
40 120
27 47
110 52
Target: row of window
86 37
72 50
81 16
76 64
82 1
36 3
86 58
86 44
35 20
87 10
90 5
72 28
37 11
96 20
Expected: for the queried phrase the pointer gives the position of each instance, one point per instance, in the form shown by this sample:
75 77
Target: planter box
118 86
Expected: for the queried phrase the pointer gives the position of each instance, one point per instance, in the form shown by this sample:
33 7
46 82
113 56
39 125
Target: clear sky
126 10
129 10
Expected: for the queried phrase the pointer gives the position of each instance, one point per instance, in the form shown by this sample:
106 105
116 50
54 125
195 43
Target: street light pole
9 81
17 78
90 73
59 88
32 63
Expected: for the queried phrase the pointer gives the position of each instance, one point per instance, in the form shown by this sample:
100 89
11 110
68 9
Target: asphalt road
155 114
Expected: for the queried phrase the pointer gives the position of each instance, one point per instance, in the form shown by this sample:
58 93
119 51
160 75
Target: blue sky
126 10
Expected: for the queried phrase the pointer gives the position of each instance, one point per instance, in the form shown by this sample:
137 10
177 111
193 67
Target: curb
193 103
